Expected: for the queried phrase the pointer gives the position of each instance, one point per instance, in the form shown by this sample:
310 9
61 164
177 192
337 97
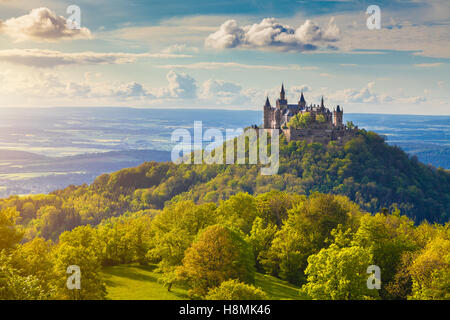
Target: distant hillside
29 173
7 155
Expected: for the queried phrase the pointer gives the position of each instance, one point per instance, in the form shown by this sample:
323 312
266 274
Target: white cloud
181 86
414 100
220 93
45 88
42 87
363 95
48 58
367 95
132 90
296 91
311 32
269 34
219 88
75 89
179 48
41 24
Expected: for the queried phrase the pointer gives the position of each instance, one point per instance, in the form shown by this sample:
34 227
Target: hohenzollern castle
313 123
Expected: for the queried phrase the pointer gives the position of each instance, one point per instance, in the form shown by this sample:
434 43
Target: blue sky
226 54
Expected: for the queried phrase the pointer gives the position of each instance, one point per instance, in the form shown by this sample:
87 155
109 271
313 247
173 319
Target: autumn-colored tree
219 254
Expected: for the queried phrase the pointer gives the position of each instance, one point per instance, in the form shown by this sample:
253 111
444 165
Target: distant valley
29 173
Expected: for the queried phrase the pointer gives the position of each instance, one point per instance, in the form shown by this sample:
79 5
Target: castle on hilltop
313 123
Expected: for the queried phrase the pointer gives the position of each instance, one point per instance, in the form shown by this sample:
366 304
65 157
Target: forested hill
366 169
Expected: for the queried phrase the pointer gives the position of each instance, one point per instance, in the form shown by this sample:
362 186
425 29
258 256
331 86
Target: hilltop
366 169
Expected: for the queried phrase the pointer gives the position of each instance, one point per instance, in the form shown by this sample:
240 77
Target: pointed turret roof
321 103
267 104
302 98
282 88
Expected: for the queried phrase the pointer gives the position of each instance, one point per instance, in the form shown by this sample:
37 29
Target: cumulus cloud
49 58
353 99
181 86
41 24
368 95
269 34
75 89
413 100
216 92
221 92
219 88
42 86
132 90
363 95
45 87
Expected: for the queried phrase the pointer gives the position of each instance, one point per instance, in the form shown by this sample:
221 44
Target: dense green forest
332 211
321 243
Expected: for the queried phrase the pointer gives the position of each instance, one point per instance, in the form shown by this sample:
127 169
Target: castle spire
302 98
321 104
267 104
282 93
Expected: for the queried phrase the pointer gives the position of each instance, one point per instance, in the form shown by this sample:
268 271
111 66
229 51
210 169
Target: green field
134 282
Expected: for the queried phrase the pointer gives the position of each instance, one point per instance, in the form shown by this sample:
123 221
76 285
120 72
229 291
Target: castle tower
337 117
321 104
267 114
282 93
302 102
282 102
267 104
